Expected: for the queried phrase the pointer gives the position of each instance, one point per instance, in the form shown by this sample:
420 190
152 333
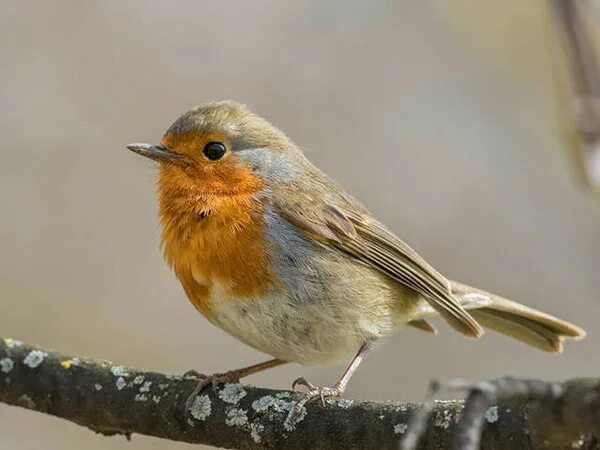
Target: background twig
557 412
584 79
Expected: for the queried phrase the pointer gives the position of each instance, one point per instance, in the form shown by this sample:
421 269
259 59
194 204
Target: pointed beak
156 152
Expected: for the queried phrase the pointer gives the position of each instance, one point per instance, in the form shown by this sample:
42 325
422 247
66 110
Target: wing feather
362 237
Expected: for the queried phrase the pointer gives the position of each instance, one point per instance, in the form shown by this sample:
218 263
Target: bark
113 399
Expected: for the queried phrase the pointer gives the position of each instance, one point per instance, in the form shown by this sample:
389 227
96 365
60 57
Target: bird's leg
231 376
338 388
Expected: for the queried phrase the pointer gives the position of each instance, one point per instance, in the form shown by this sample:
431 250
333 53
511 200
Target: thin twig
556 411
583 74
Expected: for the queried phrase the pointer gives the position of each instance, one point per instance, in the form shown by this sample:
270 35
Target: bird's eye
214 150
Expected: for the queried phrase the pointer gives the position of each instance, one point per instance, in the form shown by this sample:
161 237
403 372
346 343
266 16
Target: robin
273 251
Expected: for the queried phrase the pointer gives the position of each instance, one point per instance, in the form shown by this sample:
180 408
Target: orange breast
214 239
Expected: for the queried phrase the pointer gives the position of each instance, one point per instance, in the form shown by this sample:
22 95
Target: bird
276 253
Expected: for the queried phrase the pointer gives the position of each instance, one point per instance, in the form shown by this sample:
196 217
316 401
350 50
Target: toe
303 382
199 387
323 398
314 392
226 377
193 374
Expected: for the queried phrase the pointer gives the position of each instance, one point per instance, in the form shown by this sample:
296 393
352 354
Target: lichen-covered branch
112 399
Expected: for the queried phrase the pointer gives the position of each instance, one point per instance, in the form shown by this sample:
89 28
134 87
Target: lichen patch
263 403
232 393
294 418
443 419
6 365
236 417
174 377
68 363
269 402
400 428
201 408
341 402
34 358
118 371
12 343
491 414
255 430
121 383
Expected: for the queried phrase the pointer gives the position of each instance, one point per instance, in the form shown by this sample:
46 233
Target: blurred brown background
443 117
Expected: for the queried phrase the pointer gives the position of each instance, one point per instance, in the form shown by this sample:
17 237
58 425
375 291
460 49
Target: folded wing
354 232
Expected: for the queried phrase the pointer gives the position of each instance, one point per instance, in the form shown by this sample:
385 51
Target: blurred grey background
443 117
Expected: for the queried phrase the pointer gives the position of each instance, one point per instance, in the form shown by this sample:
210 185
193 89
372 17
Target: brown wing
359 235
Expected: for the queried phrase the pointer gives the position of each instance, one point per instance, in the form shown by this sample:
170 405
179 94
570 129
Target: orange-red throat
213 224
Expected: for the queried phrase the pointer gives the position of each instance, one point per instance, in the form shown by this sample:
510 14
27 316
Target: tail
512 319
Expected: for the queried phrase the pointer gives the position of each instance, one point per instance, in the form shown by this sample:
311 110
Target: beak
156 152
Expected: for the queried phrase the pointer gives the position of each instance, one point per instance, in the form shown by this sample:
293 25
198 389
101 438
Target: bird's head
221 148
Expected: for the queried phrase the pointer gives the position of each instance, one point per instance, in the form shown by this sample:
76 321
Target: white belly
325 305
310 334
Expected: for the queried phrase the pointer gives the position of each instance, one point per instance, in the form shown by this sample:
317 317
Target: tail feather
523 330
512 319
422 325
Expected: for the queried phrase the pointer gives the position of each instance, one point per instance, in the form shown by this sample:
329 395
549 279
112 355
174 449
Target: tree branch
111 399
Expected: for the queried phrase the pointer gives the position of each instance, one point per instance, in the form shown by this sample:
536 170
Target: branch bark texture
112 399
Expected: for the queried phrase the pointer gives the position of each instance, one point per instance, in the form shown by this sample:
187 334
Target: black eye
214 150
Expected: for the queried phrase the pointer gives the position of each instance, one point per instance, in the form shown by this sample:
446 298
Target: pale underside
325 307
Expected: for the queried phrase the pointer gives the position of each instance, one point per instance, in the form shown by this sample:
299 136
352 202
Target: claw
298 407
303 382
204 380
322 399
192 373
315 391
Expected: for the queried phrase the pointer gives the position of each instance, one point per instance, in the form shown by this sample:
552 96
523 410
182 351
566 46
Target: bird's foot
337 390
215 380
